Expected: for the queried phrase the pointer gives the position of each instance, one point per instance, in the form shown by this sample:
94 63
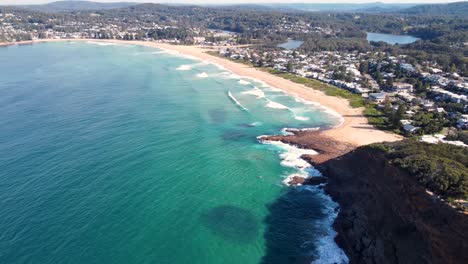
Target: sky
20 2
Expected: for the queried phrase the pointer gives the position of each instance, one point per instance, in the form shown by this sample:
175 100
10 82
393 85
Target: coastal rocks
299 180
310 139
387 217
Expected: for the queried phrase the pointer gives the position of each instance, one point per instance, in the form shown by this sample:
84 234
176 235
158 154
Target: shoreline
354 129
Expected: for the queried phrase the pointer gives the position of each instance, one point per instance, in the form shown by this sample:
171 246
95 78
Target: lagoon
291 44
390 38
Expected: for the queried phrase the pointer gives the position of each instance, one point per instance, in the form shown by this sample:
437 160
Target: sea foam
291 157
243 82
327 249
105 43
275 105
202 75
236 101
255 92
184 67
301 118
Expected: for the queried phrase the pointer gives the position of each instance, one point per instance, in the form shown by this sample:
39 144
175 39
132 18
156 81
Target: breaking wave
202 75
184 67
275 105
327 249
236 101
255 92
243 82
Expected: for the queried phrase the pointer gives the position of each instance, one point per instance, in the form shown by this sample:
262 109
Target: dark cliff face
387 217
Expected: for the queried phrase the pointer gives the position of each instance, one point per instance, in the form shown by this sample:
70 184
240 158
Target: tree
260 63
387 106
389 82
364 67
378 77
397 116
290 67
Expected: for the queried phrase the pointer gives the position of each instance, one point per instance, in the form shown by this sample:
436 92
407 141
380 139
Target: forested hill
62 6
454 9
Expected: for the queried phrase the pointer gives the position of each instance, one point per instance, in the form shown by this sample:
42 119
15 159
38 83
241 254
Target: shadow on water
237 135
246 125
217 116
294 220
231 223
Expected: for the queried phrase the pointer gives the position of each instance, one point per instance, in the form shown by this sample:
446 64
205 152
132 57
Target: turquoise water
127 154
291 44
391 39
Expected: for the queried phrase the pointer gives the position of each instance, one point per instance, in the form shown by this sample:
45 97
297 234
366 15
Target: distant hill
62 6
457 9
332 7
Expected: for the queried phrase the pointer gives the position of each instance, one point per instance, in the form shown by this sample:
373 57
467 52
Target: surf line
237 102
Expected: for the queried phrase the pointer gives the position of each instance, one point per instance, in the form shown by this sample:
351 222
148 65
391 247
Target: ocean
115 153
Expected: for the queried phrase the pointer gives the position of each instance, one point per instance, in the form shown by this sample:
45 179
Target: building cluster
384 77
299 27
342 69
14 27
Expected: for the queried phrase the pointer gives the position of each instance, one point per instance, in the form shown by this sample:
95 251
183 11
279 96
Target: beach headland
331 144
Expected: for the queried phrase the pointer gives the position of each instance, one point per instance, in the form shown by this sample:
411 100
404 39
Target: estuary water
125 154
291 44
390 38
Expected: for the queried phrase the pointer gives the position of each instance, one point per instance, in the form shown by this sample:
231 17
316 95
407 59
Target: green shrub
441 168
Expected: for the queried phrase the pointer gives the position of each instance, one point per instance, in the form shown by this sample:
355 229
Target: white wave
221 74
327 249
289 131
291 155
184 67
202 75
301 118
149 52
255 92
256 124
276 105
103 43
303 101
236 101
243 82
233 76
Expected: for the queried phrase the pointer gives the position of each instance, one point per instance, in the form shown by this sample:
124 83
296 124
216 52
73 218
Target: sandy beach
354 131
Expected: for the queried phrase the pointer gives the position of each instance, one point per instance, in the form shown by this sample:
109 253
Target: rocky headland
385 216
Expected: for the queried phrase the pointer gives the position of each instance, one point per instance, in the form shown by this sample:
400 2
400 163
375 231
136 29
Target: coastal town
425 91
296 132
413 97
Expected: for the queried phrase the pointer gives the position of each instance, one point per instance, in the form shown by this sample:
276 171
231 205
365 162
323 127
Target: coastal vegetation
441 168
442 34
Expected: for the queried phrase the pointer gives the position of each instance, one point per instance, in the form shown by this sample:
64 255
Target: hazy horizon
23 2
